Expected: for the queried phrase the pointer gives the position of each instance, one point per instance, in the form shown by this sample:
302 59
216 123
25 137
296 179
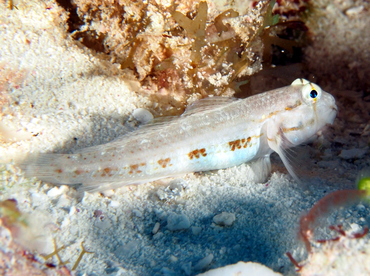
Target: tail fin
48 167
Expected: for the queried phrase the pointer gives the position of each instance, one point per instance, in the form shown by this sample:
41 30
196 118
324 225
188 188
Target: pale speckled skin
214 133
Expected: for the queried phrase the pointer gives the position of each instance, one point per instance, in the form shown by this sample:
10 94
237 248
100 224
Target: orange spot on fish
134 169
107 172
242 143
58 170
234 145
164 162
78 172
197 153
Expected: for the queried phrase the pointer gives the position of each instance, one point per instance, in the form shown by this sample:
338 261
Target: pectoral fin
280 144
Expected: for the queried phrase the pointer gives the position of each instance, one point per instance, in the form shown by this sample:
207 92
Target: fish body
214 133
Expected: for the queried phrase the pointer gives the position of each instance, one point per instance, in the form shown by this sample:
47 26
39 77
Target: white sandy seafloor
63 97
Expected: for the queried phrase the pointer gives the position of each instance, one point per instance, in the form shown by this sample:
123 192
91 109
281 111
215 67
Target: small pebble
114 204
177 222
173 258
354 10
168 272
156 228
196 230
56 191
187 268
203 263
142 115
137 213
224 219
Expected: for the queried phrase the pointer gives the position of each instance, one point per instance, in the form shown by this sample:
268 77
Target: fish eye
311 93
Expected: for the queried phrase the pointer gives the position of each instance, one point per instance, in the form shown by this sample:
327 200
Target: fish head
314 109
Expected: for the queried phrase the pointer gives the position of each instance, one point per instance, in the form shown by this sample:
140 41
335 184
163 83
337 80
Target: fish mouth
333 114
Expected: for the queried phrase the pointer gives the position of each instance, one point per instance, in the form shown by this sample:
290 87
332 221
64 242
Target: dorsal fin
195 107
300 81
202 105
152 126
208 104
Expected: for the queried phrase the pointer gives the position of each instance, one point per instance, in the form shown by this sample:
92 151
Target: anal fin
261 168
